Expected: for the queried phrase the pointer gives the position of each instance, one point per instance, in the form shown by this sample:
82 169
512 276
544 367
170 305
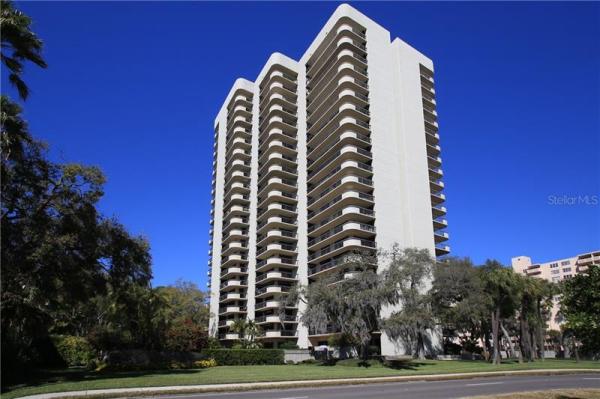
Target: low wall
296 355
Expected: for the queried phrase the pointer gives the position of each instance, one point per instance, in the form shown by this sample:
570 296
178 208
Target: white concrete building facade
555 271
333 153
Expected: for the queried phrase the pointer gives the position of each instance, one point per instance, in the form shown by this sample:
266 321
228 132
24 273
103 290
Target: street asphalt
416 389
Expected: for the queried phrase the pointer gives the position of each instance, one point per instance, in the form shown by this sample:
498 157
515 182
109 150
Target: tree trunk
525 336
486 342
420 345
534 345
495 344
541 331
510 344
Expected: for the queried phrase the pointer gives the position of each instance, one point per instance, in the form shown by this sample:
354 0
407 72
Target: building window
555 271
555 279
553 265
567 276
566 269
565 262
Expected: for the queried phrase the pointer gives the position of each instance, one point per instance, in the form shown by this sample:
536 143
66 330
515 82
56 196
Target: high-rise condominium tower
334 153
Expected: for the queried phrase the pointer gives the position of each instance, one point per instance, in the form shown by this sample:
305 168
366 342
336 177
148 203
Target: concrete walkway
207 388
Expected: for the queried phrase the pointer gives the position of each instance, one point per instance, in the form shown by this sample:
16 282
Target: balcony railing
361 210
340 244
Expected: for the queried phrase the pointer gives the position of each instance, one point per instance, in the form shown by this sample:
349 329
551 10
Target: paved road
416 389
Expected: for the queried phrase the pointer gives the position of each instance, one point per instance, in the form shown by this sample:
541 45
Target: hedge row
240 357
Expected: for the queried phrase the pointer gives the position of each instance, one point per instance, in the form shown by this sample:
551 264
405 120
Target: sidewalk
182 389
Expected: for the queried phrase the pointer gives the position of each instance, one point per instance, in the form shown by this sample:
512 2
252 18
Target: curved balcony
231 297
277 145
438 211
275 275
345 30
272 290
347 113
345 54
274 170
279 78
347 198
276 248
331 103
346 183
350 228
440 224
233 285
233 260
278 334
277 158
278 196
335 142
332 265
352 167
233 271
442 250
232 310
330 159
437 199
336 249
277 92
440 237
277 184
435 174
349 213
275 318
276 262
276 209
229 337
234 247
276 222
432 137
346 79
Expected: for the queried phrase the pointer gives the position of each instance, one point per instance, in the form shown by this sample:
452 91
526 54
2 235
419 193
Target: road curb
253 386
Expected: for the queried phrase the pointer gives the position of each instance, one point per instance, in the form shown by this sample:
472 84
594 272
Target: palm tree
19 44
248 331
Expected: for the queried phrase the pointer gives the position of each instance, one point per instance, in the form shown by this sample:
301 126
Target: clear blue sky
134 87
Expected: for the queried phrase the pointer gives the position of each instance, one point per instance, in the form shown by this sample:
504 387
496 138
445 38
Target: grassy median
76 380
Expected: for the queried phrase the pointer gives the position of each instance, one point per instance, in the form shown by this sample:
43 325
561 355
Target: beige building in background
555 271
316 158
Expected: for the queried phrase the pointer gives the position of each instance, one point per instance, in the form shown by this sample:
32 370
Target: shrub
185 336
290 362
76 351
240 357
135 359
288 345
206 363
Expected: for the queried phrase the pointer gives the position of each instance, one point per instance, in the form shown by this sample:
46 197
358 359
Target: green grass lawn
74 380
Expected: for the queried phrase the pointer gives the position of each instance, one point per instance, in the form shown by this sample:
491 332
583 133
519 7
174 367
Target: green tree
19 44
58 252
412 270
501 289
580 305
350 306
187 314
248 332
535 304
457 300
186 302
350 301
